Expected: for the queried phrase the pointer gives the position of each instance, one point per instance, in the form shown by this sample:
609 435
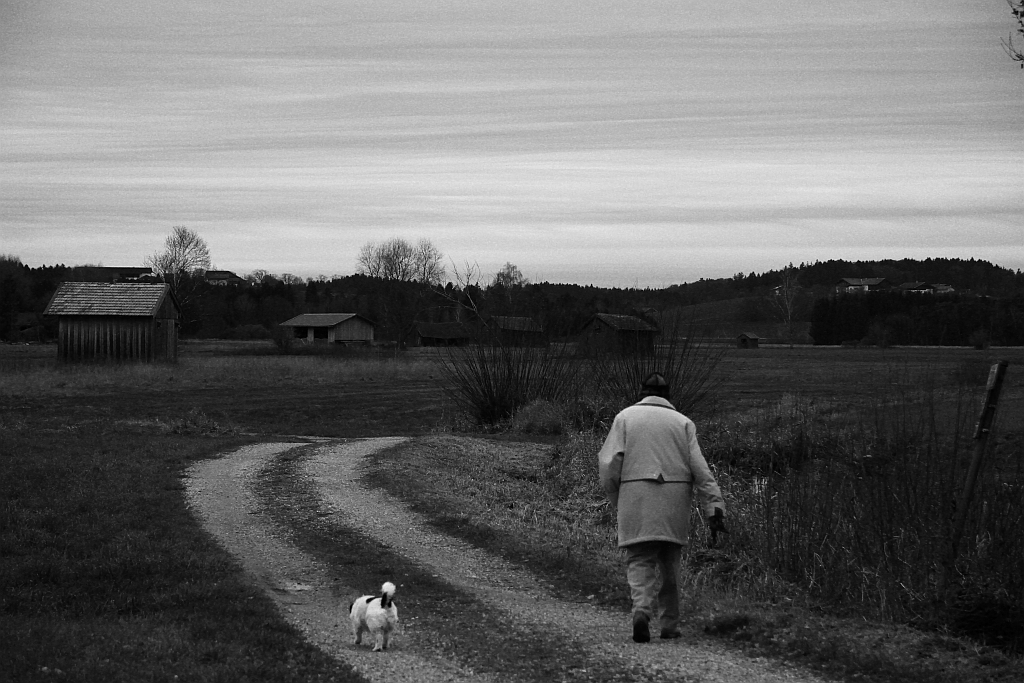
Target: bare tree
184 259
408 272
1015 52
429 263
784 298
185 252
388 260
399 260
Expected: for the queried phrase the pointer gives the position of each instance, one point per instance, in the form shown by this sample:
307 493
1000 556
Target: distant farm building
331 328
110 274
517 331
925 288
610 333
222 278
442 334
916 288
115 322
748 340
853 285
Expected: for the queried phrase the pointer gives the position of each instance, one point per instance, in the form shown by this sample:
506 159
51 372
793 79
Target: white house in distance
332 328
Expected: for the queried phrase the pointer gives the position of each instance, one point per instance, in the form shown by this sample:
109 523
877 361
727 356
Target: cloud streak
643 143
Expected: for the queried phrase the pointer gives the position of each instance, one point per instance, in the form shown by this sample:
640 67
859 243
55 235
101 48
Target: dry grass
197 370
102 447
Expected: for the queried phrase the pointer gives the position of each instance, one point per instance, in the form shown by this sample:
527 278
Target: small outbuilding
99 321
442 334
916 288
623 334
516 331
332 328
748 340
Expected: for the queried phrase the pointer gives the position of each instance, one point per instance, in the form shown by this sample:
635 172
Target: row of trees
399 283
888 318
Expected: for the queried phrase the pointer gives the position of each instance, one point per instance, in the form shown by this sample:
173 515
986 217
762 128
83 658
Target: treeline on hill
988 305
899 319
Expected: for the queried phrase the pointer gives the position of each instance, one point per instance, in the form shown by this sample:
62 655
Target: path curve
220 492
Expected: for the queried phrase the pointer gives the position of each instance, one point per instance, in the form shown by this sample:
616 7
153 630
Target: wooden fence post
981 434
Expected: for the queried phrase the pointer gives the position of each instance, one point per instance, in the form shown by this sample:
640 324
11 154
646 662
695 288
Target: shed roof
321 319
626 323
109 274
220 275
861 281
516 324
129 299
748 335
442 330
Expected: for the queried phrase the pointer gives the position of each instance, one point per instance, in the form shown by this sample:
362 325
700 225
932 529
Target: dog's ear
387 593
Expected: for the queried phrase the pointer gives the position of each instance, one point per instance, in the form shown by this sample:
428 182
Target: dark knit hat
654 384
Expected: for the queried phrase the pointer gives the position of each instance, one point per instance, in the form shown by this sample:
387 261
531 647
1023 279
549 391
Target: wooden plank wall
353 329
95 338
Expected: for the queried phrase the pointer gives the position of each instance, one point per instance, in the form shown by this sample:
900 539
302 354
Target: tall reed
856 503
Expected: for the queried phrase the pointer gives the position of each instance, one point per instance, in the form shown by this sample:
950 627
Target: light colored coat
649 466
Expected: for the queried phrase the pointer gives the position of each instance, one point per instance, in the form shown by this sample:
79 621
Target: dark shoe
670 635
641 632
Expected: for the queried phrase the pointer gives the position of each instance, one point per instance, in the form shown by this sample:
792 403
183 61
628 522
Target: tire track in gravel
335 470
221 492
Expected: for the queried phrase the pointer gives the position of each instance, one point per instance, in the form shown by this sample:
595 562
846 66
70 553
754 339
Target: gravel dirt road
221 494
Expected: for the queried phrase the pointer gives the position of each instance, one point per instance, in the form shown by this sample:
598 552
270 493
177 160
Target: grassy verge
107 577
526 509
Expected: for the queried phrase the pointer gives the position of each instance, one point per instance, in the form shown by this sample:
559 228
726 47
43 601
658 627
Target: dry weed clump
539 417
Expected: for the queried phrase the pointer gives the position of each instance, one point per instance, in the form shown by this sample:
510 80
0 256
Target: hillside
726 306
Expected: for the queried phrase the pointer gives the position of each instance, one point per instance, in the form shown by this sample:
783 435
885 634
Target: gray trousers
653 573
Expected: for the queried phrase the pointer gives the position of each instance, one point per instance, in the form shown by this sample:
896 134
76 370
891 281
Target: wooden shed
115 322
332 328
624 334
442 334
748 340
517 331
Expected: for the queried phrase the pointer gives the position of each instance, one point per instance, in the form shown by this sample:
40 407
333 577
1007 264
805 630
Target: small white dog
375 615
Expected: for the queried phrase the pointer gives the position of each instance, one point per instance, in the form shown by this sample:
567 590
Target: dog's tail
387 593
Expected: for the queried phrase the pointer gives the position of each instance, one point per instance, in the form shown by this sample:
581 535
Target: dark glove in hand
716 523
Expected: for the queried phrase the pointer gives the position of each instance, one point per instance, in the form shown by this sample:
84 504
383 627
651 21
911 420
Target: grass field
106 576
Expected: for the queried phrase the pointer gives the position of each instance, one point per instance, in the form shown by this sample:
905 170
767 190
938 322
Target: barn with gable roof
620 334
332 328
130 321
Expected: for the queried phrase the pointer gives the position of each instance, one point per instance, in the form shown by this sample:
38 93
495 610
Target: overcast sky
612 143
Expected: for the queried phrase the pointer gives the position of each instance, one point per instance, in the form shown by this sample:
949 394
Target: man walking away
649 466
